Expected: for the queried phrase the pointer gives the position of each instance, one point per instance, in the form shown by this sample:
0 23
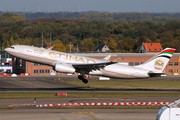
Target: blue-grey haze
91 5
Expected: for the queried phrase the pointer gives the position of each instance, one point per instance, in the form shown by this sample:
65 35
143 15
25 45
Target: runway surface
78 114
52 84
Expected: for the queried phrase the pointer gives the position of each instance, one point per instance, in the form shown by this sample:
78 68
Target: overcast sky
88 5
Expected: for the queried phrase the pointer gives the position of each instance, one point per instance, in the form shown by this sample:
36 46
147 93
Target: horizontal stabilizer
117 60
156 74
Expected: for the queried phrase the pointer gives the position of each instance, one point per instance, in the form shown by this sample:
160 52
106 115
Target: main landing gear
83 79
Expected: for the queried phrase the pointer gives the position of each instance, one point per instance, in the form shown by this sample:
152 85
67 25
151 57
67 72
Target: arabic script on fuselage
38 51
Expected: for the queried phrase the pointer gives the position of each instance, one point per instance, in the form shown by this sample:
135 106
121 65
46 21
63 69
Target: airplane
71 63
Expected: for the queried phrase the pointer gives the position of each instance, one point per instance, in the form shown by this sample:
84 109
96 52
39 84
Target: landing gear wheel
80 77
85 81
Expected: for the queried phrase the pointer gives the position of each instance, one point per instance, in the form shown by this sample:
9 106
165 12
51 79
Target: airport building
5 62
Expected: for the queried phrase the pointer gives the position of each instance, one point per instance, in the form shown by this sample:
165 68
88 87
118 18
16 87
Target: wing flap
91 66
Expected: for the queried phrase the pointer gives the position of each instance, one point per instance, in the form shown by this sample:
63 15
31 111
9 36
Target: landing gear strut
83 79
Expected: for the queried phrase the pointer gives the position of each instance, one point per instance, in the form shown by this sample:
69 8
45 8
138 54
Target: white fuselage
50 57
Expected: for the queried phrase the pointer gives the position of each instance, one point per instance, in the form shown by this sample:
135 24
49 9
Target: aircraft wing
91 66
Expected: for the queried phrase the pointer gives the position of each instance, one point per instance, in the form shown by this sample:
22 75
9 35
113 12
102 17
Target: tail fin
157 63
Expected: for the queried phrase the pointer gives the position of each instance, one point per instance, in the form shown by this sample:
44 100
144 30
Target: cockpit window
12 47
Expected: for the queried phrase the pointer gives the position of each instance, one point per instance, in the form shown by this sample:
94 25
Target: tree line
103 16
118 36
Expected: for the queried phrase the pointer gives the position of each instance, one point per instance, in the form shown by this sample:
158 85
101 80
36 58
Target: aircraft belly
115 74
96 72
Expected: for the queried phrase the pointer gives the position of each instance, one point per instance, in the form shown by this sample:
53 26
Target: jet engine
65 68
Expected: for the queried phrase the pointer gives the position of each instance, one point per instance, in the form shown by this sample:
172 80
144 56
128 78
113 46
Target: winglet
106 58
117 60
50 48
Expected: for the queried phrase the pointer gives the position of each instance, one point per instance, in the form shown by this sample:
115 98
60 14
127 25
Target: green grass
5 107
129 84
15 95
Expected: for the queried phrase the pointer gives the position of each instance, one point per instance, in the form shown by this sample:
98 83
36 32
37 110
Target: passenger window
12 47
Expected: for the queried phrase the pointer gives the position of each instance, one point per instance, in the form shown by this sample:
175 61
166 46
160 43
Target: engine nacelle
65 68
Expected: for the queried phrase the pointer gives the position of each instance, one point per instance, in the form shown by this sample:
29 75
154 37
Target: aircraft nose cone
5 49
